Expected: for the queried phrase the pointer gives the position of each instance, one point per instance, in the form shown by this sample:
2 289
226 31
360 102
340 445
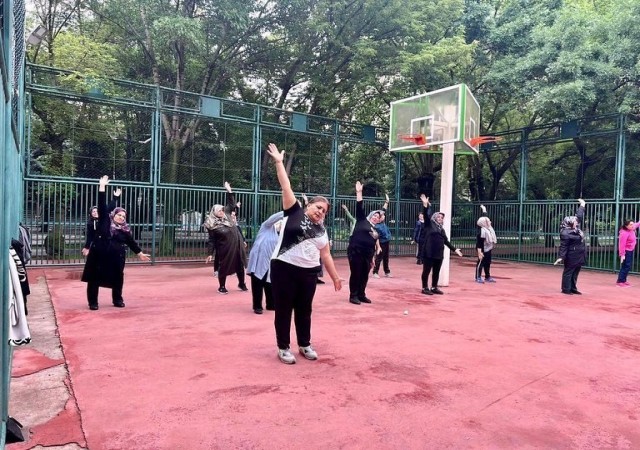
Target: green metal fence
11 125
172 175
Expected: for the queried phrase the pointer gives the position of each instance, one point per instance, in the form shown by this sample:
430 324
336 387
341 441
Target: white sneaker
388 275
375 275
308 353
286 356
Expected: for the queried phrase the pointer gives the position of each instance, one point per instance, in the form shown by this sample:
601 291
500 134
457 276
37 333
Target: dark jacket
434 238
228 244
107 253
364 236
573 249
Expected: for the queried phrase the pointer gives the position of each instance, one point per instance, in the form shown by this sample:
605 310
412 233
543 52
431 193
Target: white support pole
446 201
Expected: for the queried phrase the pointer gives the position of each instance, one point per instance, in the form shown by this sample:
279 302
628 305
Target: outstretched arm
288 197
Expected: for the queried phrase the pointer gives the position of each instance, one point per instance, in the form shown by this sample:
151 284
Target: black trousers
222 279
383 257
427 265
484 264
258 286
293 289
359 265
92 294
570 278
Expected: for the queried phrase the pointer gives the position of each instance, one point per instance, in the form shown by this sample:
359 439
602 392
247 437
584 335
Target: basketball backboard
424 122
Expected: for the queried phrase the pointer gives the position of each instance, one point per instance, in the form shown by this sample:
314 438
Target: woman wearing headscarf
92 221
107 252
485 241
362 249
573 250
260 260
227 241
433 252
295 264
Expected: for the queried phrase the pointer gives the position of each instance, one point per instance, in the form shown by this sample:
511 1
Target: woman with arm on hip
294 264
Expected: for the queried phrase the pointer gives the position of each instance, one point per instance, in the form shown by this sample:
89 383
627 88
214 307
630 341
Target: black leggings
257 287
293 289
484 264
92 293
427 265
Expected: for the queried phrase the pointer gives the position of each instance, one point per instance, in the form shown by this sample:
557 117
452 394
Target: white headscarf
490 234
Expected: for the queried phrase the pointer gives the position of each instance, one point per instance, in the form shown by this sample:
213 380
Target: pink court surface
510 365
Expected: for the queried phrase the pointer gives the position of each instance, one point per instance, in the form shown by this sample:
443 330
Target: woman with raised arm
384 239
107 253
362 249
294 265
227 241
573 250
433 252
92 222
485 242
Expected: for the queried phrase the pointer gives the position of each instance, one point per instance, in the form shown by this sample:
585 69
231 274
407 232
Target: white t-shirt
300 239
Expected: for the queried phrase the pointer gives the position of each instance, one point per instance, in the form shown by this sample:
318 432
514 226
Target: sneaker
427 291
489 280
308 353
286 356
93 307
435 290
388 275
623 284
375 275
479 280
243 287
119 304
626 283
223 290
576 292
354 300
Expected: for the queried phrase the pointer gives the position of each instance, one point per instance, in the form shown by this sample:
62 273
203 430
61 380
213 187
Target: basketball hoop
479 140
419 140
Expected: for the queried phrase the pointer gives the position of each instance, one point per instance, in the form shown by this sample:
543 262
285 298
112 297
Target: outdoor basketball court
509 365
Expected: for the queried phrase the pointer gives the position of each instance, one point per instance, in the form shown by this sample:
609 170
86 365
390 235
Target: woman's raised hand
104 180
227 186
425 200
358 187
277 155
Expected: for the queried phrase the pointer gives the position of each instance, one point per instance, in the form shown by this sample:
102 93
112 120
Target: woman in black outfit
361 250
573 250
92 221
107 254
227 241
433 251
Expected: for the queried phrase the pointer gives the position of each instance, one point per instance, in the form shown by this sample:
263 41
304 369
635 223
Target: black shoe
119 304
93 307
567 292
319 281
364 300
223 290
418 262
576 292
258 311
427 291
435 290
354 300
243 287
